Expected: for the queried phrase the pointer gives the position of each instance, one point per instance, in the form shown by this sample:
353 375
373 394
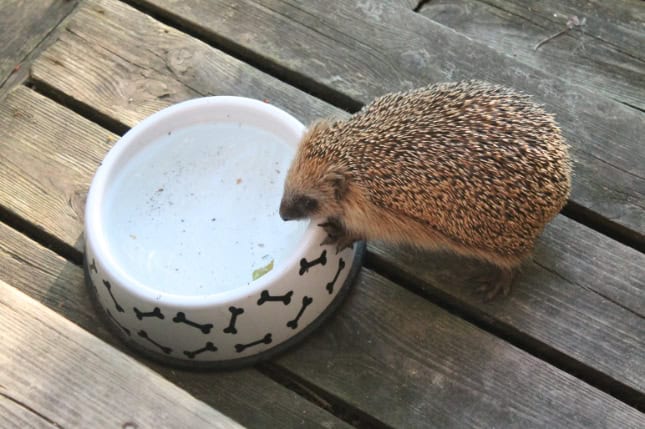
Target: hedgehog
470 167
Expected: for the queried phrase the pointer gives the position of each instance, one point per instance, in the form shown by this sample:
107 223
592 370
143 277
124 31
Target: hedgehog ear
338 182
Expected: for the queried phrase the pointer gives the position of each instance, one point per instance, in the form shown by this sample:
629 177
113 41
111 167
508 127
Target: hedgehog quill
471 167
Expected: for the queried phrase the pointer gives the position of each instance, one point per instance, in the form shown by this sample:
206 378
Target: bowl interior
190 206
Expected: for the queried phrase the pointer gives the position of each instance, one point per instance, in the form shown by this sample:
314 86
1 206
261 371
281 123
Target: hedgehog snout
285 211
300 207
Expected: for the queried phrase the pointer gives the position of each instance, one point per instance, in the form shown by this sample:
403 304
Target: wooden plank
70 377
578 57
15 415
24 25
248 396
51 186
166 67
619 22
602 317
582 295
144 83
410 364
427 370
363 53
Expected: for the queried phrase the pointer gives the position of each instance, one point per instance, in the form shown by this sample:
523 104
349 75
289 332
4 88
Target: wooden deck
413 346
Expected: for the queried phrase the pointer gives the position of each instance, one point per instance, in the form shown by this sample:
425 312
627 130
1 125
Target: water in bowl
196 211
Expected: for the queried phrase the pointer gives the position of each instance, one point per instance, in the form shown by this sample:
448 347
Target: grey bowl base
230 364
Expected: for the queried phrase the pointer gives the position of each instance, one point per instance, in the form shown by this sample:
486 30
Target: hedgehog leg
345 242
497 283
334 230
336 234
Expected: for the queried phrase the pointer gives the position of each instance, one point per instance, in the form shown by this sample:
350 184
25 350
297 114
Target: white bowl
183 212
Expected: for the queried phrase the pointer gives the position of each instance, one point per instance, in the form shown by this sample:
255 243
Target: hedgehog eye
307 203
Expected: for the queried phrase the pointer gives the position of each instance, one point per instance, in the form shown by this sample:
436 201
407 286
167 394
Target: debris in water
263 270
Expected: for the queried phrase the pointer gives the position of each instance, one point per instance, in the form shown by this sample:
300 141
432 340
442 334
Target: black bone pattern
126 330
305 265
181 318
330 285
108 286
144 334
231 329
93 266
264 297
306 301
207 347
266 340
154 313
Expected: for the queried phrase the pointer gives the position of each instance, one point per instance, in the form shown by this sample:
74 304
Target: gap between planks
298 80
342 101
325 400
20 72
42 344
383 267
572 210
508 333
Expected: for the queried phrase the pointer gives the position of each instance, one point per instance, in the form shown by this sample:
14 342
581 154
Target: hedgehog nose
284 212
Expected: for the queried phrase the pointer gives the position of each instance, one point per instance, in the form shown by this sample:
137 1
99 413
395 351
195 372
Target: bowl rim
96 237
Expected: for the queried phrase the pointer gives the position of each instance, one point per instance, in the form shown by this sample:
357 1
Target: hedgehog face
316 182
298 207
314 197
309 193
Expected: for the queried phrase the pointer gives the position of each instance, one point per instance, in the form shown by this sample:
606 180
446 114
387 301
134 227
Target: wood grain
24 25
410 364
74 379
15 415
247 396
145 66
585 285
404 352
583 295
364 52
49 173
619 23
358 382
578 56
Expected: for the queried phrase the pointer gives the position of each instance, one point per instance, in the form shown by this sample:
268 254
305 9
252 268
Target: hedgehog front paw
336 234
345 242
334 230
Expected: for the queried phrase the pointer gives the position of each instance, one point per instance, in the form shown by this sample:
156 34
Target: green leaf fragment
262 270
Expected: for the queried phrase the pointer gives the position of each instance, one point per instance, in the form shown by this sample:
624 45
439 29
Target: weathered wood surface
42 184
578 56
20 417
57 120
23 25
355 354
620 23
415 360
247 396
600 315
364 49
166 67
411 364
409 354
70 378
583 295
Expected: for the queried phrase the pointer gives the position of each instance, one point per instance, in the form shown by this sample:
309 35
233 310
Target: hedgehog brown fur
471 167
